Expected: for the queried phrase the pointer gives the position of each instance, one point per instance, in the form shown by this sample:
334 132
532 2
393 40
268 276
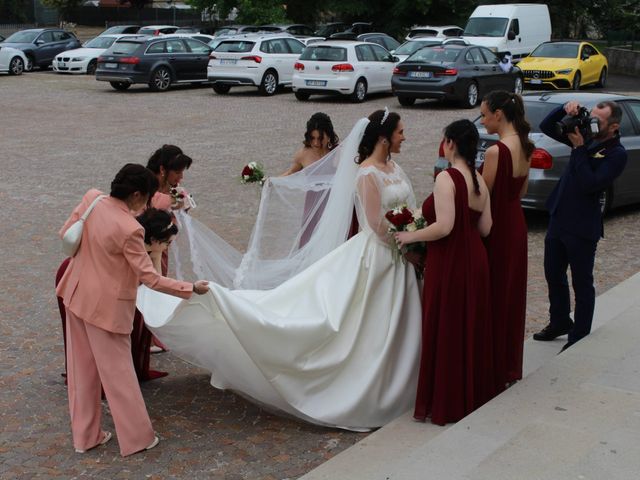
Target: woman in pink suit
99 294
506 172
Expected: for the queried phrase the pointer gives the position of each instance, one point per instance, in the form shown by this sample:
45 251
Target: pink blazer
101 283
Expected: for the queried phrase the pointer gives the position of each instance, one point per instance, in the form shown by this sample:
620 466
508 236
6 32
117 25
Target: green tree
18 11
64 7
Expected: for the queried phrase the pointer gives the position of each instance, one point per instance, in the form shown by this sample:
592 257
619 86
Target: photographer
575 223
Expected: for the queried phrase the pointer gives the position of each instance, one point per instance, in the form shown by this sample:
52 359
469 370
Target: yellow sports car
565 65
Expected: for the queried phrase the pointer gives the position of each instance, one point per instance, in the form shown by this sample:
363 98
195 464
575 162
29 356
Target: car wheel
606 200
470 100
269 83
91 68
577 78
16 66
602 81
303 97
359 91
518 85
221 88
30 64
406 101
121 86
160 79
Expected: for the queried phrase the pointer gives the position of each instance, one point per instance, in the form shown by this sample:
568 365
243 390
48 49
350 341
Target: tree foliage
16 11
64 7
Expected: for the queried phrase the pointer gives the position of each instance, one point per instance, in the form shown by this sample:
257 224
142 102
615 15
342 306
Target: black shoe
550 332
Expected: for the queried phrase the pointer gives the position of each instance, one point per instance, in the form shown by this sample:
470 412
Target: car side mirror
39 42
395 59
511 35
585 56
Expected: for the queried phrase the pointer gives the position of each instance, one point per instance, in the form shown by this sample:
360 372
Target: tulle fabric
301 218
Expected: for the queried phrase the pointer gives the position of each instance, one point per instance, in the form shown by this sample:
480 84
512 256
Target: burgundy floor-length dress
456 375
140 337
507 251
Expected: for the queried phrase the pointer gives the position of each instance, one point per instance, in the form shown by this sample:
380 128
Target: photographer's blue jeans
569 251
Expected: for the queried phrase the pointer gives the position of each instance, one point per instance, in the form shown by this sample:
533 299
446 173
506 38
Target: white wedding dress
336 344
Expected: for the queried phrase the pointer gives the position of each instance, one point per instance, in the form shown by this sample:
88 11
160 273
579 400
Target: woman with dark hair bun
455 367
506 172
98 291
319 139
168 163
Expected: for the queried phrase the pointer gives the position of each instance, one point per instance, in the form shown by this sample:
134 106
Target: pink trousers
94 357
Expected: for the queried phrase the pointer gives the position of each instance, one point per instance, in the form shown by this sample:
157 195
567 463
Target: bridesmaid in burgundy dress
456 375
506 172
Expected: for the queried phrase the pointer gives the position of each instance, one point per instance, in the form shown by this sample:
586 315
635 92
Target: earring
384 141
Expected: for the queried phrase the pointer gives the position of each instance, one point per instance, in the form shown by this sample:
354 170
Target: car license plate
421 74
536 81
228 61
110 65
316 83
62 64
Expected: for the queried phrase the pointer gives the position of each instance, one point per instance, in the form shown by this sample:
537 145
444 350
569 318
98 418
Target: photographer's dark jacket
574 203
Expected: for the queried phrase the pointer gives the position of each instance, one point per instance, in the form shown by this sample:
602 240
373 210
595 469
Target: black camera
588 126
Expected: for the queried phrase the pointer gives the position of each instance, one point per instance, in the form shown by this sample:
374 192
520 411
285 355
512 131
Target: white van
516 28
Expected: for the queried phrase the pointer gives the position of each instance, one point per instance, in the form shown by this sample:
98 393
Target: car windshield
124 47
556 50
324 54
235 46
22 37
100 42
486 27
326 30
423 32
408 48
435 55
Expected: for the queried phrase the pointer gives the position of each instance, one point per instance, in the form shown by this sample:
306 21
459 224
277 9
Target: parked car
157 30
550 157
204 38
343 68
310 40
329 29
297 29
188 30
261 60
565 65
12 60
41 45
121 29
381 39
230 30
416 43
452 72
157 61
360 27
84 59
437 32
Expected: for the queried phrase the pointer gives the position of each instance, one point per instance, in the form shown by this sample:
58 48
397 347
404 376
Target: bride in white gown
336 341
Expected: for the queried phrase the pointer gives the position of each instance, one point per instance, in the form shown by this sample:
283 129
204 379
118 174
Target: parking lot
61 135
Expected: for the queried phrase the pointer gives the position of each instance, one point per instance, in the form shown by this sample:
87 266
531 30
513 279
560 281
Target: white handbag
73 236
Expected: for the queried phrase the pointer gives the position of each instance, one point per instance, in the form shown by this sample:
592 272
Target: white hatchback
343 67
85 59
262 60
12 60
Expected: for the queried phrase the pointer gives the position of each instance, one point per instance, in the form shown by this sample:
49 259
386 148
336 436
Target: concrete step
575 412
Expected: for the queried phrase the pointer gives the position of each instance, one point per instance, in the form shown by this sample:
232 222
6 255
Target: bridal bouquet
402 219
253 172
180 196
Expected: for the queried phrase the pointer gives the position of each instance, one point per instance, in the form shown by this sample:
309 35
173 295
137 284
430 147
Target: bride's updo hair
465 135
322 123
382 123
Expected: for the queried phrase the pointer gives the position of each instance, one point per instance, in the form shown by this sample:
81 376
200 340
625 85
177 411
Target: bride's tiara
385 116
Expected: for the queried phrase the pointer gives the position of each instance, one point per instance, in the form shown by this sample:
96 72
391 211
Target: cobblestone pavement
60 135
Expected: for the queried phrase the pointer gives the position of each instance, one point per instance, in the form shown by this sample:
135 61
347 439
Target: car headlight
566 71
77 59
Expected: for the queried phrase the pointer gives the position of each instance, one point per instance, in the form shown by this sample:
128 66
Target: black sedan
453 72
158 62
41 45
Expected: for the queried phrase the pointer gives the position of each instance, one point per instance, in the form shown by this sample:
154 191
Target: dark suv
41 45
158 62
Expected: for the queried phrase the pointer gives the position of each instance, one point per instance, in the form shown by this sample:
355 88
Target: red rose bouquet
253 172
402 219
180 198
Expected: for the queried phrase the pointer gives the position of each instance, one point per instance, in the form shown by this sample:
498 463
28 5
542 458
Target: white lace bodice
377 192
